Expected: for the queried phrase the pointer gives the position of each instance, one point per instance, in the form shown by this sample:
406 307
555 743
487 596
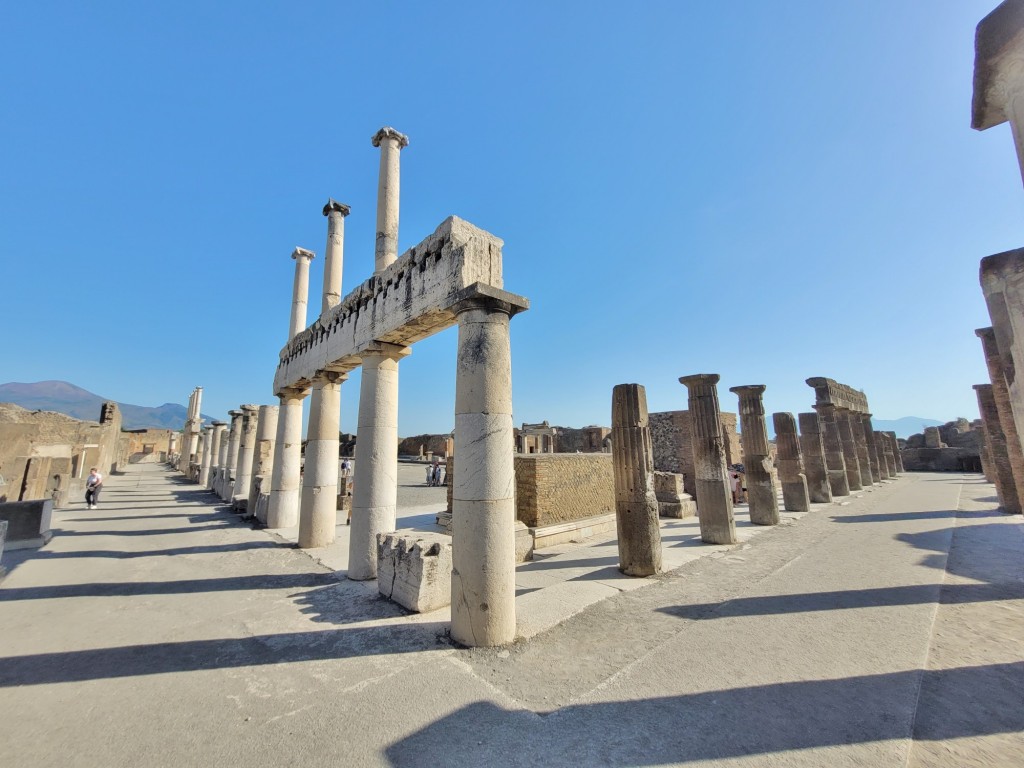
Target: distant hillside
906 426
62 397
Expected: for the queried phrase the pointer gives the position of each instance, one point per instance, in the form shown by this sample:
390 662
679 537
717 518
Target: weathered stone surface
849 443
318 497
28 523
1004 481
262 460
819 490
1004 409
835 456
757 461
1002 281
673 500
636 508
671 444
563 487
795 496
894 444
885 453
868 429
861 444
415 570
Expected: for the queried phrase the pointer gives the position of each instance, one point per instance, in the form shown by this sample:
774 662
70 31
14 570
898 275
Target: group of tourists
434 474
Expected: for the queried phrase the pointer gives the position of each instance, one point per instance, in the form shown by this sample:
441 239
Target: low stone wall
557 488
940 460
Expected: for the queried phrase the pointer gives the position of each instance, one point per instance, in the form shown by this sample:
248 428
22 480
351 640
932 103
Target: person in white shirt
93 485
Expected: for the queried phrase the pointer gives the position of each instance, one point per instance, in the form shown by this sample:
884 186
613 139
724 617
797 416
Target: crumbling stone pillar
714 497
246 450
231 460
204 468
795 496
300 291
819 490
215 452
985 455
932 437
483 490
263 459
835 456
869 437
861 443
334 253
897 455
1004 409
375 482
636 508
1004 481
762 497
319 501
283 504
391 143
885 450
849 443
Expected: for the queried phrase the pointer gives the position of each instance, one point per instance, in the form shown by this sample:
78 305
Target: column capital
697 379
387 132
985 333
481 296
333 206
234 414
249 407
219 424
331 377
749 390
292 393
386 349
302 253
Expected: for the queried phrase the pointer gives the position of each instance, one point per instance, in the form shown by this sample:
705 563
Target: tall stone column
849 443
483 488
1004 481
204 468
334 253
263 460
216 444
985 455
861 442
885 449
835 456
231 455
636 508
757 461
246 452
819 490
1004 409
869 437
795 495
283 506
375 481
318 510
391 143
300 291
714 497
172 447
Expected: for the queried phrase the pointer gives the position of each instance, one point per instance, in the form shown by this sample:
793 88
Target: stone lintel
831 392
998 49
387 132
302 253
334 205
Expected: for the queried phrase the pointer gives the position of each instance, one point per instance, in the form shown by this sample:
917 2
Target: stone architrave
835 456
795 496
714 497
869 437
216 443
849 443
1004 410
819 490
246 455
204 468
318 510
283 504
1004 481
263 459
391 144
636 508
762 496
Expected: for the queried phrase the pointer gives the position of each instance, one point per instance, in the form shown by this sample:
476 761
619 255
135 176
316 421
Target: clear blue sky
767 190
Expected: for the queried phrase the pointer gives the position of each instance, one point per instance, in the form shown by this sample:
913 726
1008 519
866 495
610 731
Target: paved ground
159 631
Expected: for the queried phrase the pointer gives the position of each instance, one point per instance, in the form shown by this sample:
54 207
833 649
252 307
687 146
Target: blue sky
766 190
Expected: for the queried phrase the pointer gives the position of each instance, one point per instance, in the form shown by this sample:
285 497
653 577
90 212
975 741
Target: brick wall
561 487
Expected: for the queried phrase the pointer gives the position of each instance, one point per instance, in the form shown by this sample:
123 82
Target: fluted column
714 497
849 443
757 462
283 505
861 443
318 510
375 484
795 496
216 444
1004 411
885 449
263 460
1004 481
204 468
246 451
897 456
231 455
391 143
819 490
636 508
334 253
300 291
835 456
872 450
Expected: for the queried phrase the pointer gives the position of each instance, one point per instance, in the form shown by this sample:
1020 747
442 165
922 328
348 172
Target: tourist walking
93 484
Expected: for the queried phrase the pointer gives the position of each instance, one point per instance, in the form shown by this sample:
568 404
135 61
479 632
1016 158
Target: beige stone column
172 448
300 291
334 253
263 460
319 499
231 456
997 374
391 144
849 443
819 490
216 444
246 451
714 497
375 483
483 489
283 506
835 456
762 496
1004 480
791 465
204 469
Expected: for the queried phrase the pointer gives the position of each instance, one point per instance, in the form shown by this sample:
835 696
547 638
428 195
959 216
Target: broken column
757 461
1004 410
263 461
204 468
391 143
636 509
714 497
835 456
885 449
849 444
246 452
819 490
283 504
319 500
860 441
334 253
795 496
1004 481
216 442
897 456
869 436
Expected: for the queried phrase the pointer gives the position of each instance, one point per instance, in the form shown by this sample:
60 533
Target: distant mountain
62 397
906 426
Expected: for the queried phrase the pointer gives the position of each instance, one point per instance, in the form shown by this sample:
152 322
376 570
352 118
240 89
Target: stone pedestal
415 570
1004 481
391 143
1004 410
762 496
636 509
795 496
283 504
319 501
262 460
849 444
835 457
714 497
246 456
819 490
673 500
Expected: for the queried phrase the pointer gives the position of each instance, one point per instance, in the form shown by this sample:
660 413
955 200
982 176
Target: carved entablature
831 392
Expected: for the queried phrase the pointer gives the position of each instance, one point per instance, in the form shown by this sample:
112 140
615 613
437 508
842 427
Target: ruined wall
588 439
670 441
146 445
410 446
559 488
959 449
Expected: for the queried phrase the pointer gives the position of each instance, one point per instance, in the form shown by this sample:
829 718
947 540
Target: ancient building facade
673 451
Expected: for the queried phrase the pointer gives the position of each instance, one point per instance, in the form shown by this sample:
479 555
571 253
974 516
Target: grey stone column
849 443
869 437
861 442
985 454
483 487
714 497
885 449
334 253
795 495
835 456
1002 281
762 497
231 459
263 461
1004 409
819 490
283 504
246 453
897 455
636 508
391 144
375 481
318 509
204 468
215 449
1004 481
300 291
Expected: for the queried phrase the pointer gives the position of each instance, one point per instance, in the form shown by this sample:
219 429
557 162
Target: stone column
1004 481
1002 280
757 461
1004 410
985 455
835 456
263 459
318 510
283 506
391 143
375 482
300 291
819 491
897 456
795 495
204 469
869 437
714 497
483 489
861 442
849 443
172 446
231 456
246 452
334 253
885 448
216 443
636 508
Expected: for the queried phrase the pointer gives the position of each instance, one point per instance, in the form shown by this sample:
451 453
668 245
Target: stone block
668 486
685 507
415 570
524 543
28 523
